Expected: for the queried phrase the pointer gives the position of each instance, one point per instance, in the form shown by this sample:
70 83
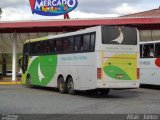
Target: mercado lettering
52 7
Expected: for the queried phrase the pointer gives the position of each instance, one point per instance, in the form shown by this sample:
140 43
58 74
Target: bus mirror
20 62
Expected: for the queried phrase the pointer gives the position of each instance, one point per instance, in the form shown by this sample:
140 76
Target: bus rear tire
28 82
62 87
103 91
70 86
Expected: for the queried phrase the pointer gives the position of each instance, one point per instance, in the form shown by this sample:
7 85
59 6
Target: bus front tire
62 86
28 82
70 86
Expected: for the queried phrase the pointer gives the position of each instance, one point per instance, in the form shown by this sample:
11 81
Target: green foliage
9 61
0 12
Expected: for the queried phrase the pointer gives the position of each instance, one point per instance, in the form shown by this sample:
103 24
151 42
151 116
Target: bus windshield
119 35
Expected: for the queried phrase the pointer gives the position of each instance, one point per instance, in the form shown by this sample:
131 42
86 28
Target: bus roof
91 29
147 42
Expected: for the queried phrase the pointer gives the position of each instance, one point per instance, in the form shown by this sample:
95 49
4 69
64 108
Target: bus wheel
62 86
70 86
103 91
28 82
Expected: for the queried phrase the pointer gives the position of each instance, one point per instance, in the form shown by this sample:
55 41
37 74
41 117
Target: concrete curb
10 83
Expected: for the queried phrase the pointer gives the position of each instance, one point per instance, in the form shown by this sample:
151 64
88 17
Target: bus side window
157 50
47 49
36 48
39 48
65 45
77 43
151 51
32 48
92 44
25 48
68 44
141 52
148 51
86 42
42 48
145 51
71 44
52 46
58 45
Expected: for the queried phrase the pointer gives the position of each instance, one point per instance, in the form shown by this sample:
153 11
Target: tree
4 64
4 56
0 12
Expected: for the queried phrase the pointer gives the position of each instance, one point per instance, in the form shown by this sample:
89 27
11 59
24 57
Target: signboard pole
66 16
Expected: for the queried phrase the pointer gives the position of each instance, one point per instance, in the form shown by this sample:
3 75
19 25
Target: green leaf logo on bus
121 67
116 72
42 69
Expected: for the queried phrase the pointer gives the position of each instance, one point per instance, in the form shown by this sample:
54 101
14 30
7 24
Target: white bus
97 58
150 63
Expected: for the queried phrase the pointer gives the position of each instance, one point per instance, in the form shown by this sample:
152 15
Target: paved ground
9 79
19 99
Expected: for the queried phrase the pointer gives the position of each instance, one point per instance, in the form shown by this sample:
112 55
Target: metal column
14 57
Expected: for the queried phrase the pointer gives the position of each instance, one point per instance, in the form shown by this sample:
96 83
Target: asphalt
18 99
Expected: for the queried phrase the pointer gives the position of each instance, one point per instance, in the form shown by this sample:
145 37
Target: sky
20 9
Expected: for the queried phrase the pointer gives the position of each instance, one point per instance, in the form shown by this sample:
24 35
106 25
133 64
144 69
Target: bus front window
25 57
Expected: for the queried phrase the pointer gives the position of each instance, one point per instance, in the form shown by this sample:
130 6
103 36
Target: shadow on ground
127 93
155 87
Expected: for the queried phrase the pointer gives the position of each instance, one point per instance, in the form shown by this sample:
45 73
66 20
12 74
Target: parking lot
19 99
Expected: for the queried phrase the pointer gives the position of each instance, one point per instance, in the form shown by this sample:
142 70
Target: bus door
25 63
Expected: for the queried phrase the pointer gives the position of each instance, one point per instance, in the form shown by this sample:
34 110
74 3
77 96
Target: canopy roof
149 13
40 28
75 24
